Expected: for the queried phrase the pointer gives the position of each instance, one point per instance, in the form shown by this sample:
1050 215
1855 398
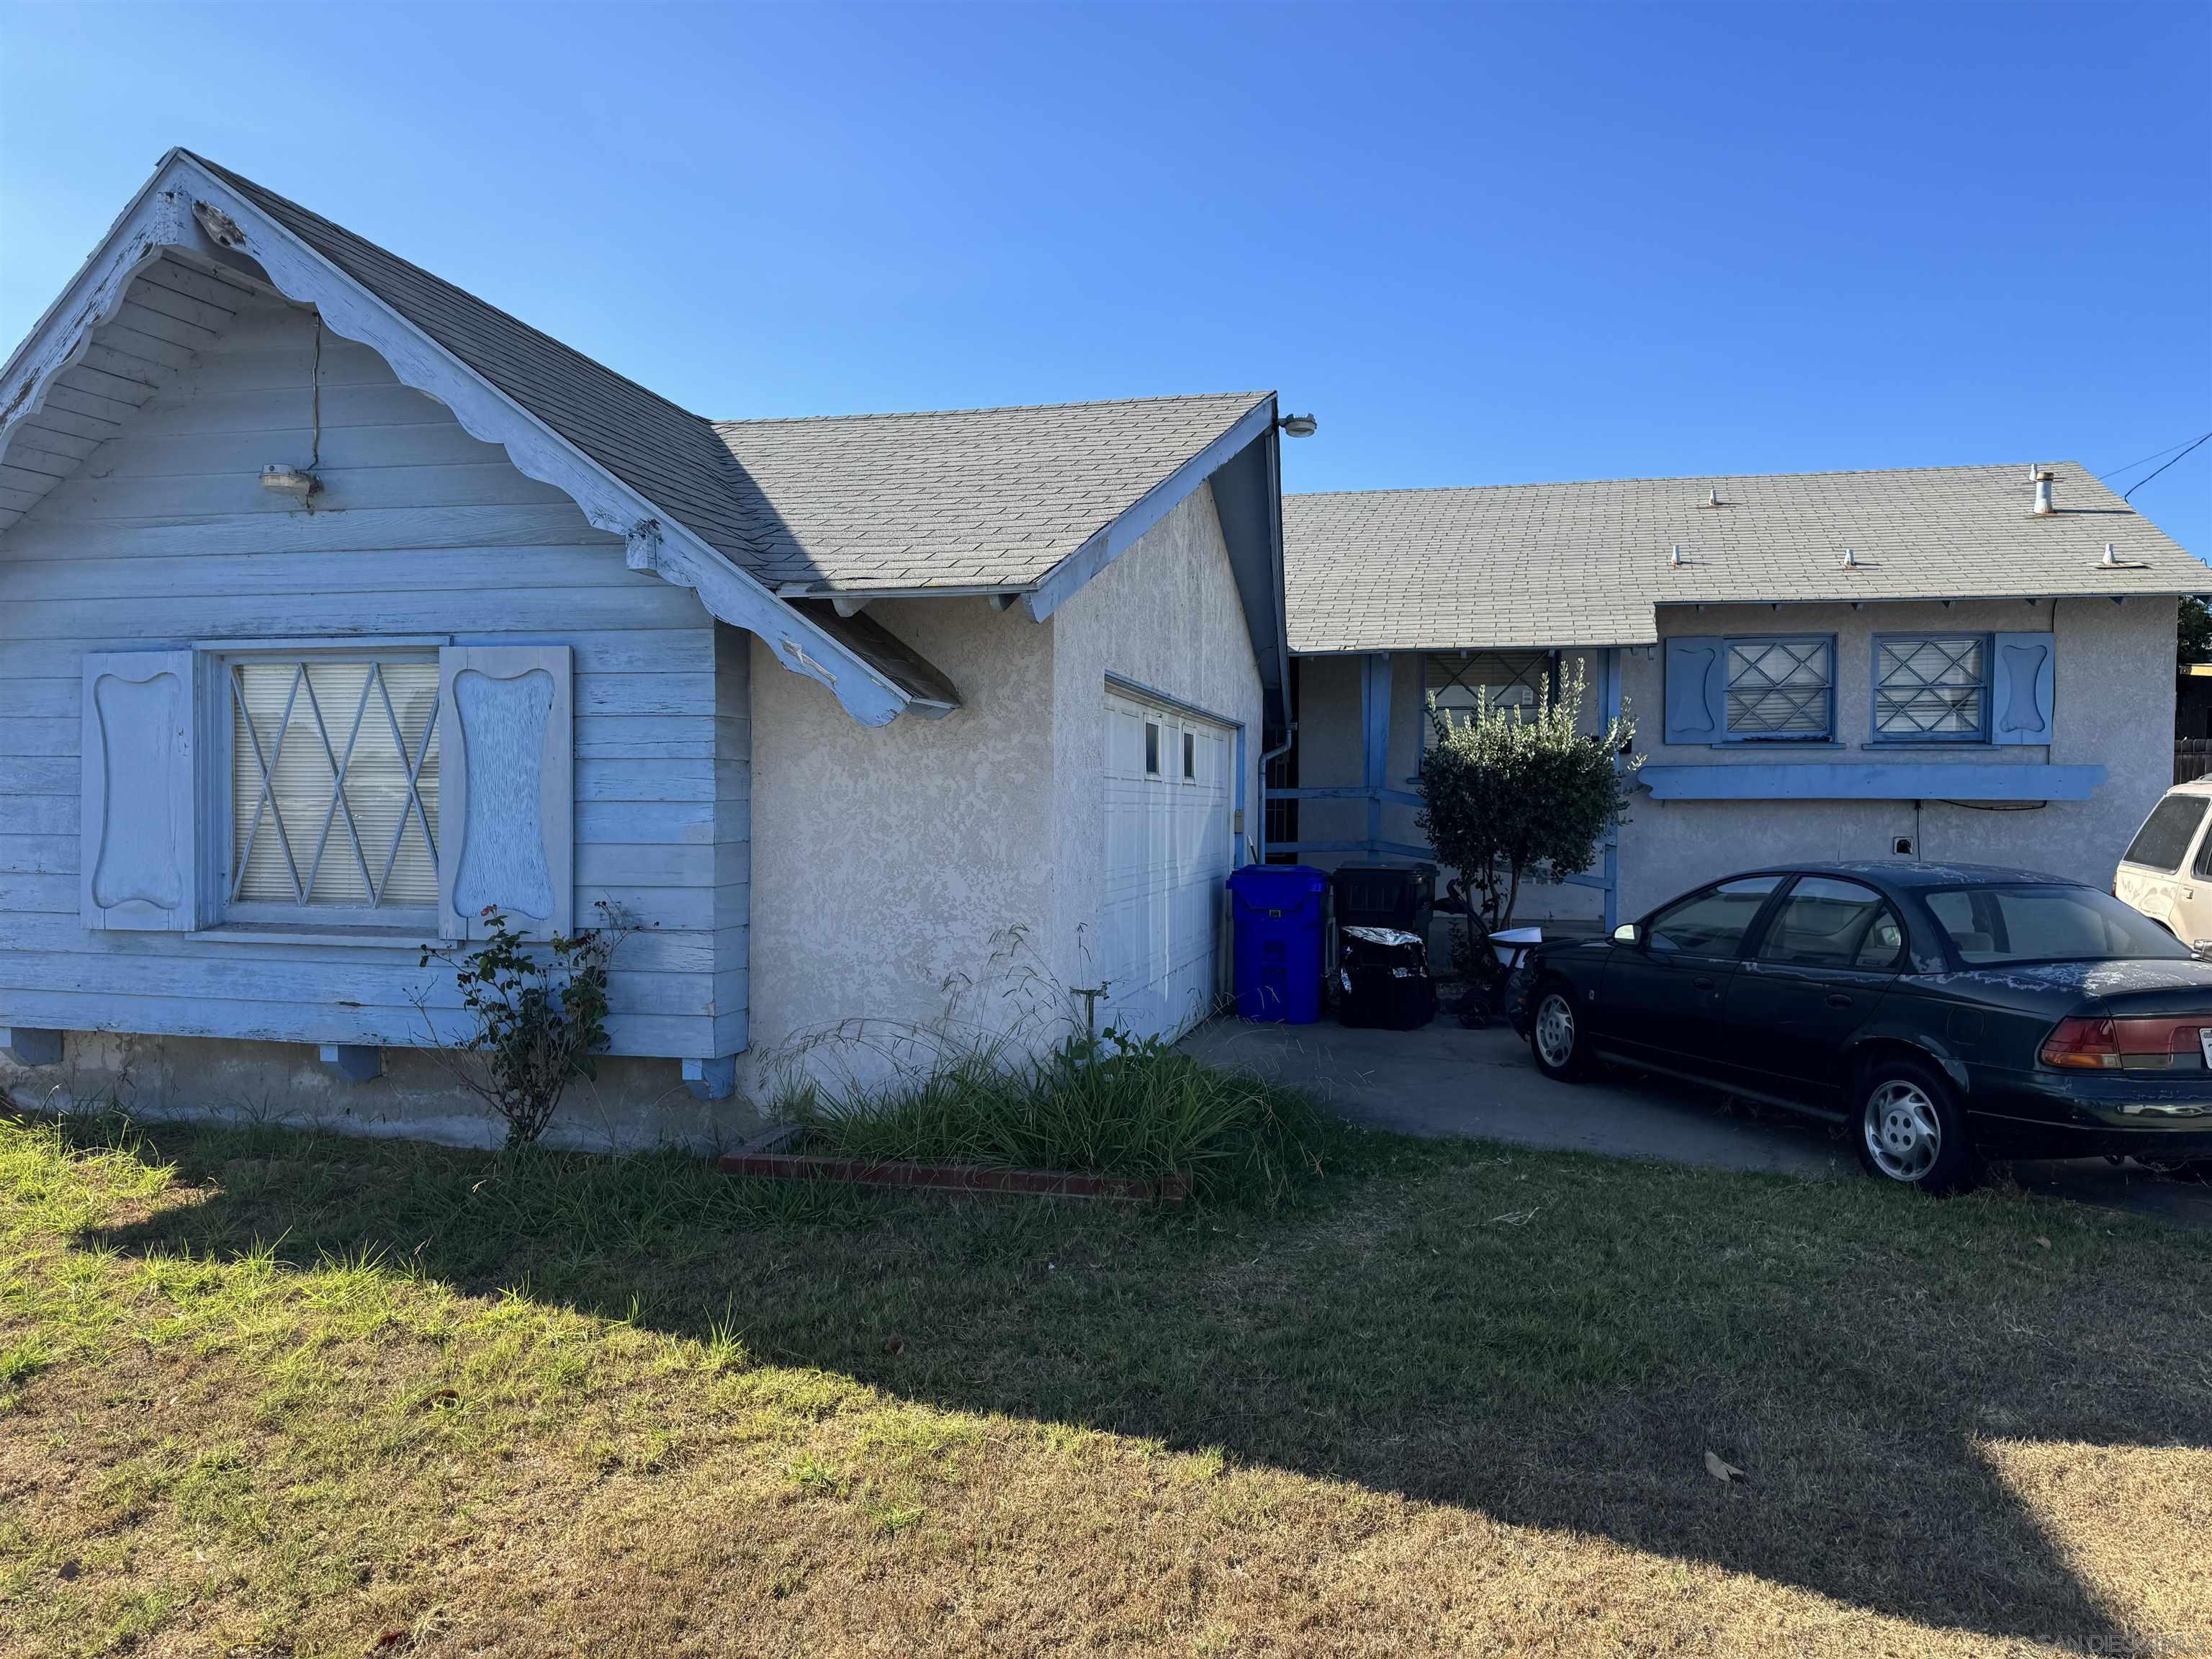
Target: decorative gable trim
183 207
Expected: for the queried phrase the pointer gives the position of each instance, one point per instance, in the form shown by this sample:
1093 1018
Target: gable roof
1036 500
1523 566
665 452
967 497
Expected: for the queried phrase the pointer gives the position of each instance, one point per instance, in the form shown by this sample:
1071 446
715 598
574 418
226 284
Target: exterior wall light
290 480
1298 426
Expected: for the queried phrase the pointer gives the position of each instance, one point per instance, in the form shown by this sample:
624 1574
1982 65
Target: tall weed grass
1109 1105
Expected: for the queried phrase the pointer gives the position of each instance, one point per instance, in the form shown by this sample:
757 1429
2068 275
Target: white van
2166 872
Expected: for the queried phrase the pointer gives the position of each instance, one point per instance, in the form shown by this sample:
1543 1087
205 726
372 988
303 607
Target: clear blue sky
1483 243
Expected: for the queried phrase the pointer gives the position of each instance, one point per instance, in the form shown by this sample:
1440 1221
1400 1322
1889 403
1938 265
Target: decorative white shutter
138 867
506 815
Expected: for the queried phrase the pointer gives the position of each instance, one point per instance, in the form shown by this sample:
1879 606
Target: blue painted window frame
1728 644
1877 737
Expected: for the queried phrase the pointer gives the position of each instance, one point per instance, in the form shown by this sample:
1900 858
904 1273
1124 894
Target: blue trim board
1397 849
1353 792
1952 780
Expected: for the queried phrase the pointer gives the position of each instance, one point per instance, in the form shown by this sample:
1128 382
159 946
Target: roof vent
1850 560
2112 559
2045 506
1712 498
1675 559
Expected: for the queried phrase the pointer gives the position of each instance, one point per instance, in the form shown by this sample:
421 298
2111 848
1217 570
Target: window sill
1962 745
1738 745
391 939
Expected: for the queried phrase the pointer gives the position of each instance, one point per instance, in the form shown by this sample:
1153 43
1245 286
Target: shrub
539 1014
1511 790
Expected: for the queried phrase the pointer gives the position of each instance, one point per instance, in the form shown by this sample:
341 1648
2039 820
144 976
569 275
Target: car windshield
2027 923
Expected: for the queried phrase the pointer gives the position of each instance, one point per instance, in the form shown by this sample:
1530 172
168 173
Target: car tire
1558 1040
1909 1128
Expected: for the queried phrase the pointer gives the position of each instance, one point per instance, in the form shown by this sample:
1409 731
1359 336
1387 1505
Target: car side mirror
1625 933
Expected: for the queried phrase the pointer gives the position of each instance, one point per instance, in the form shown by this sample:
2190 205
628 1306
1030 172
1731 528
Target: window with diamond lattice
1931 688
334 785
1482 679
1781 688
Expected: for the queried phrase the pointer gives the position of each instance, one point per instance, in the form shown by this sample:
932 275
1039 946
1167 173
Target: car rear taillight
2136 1045
2081 1045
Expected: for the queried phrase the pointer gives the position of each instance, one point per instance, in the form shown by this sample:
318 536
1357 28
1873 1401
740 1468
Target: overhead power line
2130 466
2140 483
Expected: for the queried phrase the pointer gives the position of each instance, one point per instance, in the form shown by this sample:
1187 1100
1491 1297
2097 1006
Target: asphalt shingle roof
666 453
964 498
1501 567
972 497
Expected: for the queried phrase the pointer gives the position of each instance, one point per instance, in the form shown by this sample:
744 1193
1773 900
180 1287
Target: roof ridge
990 408
1686 478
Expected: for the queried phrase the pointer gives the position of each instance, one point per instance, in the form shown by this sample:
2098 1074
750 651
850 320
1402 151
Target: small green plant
1509 790
539 1014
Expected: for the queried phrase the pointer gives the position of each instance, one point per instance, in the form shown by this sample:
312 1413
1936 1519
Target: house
336 605
1952 663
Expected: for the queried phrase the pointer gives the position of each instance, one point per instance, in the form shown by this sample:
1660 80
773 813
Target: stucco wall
892 866
888 861
2113 707
1166 615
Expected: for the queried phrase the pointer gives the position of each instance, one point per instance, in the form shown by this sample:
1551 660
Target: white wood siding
162 535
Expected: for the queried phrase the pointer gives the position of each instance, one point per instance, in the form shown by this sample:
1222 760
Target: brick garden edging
957 1177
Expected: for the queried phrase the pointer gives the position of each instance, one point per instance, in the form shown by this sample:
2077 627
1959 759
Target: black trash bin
1383 979
1384 896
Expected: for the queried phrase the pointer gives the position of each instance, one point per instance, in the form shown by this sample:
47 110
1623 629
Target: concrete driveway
1445 1080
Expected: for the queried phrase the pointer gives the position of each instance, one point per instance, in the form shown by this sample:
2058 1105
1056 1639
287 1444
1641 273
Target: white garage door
1168 787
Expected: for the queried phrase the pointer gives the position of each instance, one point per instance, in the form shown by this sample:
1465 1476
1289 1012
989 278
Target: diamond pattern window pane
1931 688
334 782
1779 688
1495 680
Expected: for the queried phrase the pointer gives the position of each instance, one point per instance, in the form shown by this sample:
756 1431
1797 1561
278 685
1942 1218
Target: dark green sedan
1946 1013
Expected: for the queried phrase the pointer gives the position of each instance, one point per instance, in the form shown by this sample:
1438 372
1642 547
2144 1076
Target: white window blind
334 782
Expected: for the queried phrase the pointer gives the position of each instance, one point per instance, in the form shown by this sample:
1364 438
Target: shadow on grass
1551 1340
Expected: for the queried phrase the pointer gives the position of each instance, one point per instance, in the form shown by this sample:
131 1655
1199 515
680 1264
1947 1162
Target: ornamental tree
1506 791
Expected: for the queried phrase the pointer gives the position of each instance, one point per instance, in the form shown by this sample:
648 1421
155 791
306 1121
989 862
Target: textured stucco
890 861
2114 709
1166 616
894 867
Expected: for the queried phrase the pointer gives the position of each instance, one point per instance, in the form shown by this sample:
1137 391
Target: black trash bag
1383 979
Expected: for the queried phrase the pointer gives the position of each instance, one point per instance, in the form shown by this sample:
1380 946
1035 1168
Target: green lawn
273 1394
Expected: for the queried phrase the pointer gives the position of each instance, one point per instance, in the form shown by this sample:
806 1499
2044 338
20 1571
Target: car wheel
1910 1129
1556 1035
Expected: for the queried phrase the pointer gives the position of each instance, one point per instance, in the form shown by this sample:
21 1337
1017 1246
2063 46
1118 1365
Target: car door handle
1702 982
1838 1000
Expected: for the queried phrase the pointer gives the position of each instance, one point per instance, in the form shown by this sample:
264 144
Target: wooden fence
2192 758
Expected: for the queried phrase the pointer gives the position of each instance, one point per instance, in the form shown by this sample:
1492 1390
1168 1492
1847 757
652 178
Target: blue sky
1483 244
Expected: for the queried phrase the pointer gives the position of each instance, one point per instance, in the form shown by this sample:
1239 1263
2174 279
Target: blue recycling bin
1277 918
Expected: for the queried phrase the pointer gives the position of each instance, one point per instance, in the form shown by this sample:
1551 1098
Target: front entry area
1168 852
